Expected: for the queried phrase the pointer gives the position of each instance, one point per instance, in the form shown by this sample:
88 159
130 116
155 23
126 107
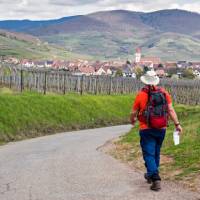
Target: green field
184 159
29 114
32 50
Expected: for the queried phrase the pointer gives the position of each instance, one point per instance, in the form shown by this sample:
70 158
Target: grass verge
31 114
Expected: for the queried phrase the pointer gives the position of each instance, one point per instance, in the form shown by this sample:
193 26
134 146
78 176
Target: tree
118 73
172 71
188 73
175 77
145 69
139 72
160 66
128 62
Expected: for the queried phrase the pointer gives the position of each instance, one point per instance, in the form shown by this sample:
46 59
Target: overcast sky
51 9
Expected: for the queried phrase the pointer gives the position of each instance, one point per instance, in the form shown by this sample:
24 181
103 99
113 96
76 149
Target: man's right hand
179 129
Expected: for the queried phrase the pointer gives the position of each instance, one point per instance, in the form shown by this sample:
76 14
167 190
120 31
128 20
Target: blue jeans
151 141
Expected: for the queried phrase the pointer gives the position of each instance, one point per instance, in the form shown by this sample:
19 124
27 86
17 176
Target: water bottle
176 137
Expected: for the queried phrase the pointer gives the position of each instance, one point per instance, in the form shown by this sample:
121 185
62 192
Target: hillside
172 47
114 34
26 46
168 46
176 21
117 34
19 36
26 25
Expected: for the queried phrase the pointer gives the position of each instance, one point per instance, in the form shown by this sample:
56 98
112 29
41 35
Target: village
134 68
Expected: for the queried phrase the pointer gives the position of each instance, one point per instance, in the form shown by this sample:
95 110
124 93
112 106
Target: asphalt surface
69 166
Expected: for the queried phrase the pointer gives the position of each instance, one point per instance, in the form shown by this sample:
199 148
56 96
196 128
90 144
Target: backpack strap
147 89
148 103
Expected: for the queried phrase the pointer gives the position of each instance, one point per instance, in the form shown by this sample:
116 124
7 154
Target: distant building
153 60
138 55
169 65
196 65
49 63
182 64
39 64
100 71
27 63
11 60
146 61
196 73
86 70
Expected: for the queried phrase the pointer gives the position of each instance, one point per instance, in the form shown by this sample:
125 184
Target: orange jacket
141 102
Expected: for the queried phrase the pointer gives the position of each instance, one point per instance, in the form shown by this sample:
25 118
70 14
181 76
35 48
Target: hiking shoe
147 178
156 185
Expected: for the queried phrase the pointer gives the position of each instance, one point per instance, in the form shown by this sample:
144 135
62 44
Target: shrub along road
70 166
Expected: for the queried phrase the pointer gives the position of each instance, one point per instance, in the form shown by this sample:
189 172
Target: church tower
138 55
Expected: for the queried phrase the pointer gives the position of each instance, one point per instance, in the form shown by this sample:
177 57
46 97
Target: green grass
186 156
30 114
32 50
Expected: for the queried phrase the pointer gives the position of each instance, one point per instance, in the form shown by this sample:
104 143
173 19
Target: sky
53 9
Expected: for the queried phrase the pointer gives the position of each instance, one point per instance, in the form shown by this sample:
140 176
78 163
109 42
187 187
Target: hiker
152 107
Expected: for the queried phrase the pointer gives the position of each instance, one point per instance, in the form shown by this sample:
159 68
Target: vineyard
62 82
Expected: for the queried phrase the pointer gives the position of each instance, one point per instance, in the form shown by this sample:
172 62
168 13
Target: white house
101 71
197 74
39 64
27 63
49 63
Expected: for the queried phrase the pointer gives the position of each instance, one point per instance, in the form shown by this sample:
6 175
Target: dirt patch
192 182
196 183
166 160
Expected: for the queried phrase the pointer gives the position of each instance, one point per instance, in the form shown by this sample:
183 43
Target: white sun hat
150 78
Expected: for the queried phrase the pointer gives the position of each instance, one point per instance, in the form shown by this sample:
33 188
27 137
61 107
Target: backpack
156 113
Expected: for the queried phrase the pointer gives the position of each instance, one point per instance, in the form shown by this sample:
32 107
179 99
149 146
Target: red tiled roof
170 64
106 68
154 60
138 50
25 61
195 63
87 69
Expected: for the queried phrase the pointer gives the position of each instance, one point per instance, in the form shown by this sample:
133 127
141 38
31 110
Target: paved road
68 166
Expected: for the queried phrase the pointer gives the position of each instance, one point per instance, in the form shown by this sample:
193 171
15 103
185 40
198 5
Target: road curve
68 166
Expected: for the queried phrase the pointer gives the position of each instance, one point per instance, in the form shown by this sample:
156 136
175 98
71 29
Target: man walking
152 107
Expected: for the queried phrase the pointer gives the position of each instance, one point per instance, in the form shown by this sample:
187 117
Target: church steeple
138 55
